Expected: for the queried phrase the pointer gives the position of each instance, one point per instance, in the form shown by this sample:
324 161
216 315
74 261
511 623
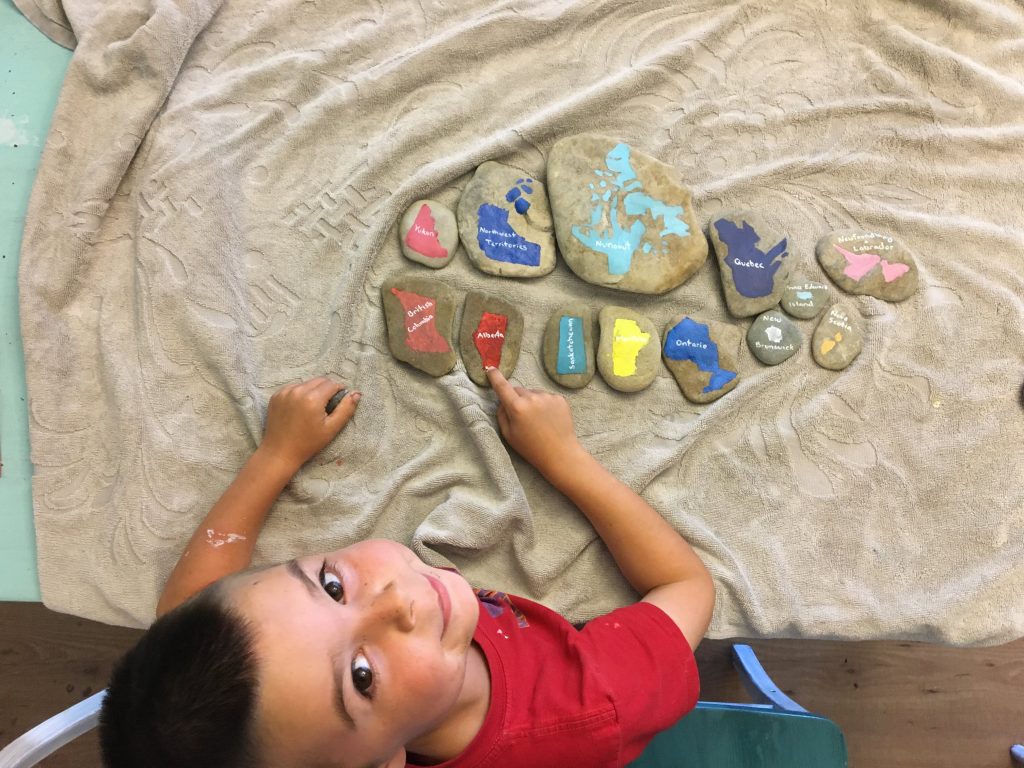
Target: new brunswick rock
838 339
627 355
623 219
420 315
568 346
753 261
806 299
773 338
428 234
491 334
871 263
701 354
505 222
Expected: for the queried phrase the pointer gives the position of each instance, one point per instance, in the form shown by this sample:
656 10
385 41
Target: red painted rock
428 234
420 315
491 335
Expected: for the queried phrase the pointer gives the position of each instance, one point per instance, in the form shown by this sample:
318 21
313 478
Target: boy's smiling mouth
444 600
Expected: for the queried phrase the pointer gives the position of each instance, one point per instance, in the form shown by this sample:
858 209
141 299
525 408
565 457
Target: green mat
31 70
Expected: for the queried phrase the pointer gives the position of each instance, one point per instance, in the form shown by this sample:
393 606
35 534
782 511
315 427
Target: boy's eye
331 584
362 675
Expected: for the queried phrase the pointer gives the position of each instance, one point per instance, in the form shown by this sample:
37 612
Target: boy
369 657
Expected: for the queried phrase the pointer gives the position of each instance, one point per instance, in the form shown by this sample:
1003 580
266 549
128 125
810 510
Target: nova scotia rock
838 338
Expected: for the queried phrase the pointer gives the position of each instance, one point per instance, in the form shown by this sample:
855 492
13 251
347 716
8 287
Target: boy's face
359 652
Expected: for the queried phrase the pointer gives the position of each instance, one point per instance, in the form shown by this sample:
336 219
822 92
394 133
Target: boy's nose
391 606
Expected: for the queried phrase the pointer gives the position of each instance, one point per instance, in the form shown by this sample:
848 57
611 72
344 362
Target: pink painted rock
428 234
872 263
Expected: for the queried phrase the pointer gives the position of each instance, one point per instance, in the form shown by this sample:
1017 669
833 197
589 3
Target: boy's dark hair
185 695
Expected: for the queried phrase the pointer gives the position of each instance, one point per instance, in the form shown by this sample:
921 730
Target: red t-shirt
566 697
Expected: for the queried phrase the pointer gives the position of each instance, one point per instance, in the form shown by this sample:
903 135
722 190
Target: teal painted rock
623 219
420 315
505 222
569 344
838 338
872 263
805 299
701 355
773 338
753 259
491 335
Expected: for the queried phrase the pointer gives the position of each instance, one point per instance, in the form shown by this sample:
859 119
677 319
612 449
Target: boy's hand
536 423
298 425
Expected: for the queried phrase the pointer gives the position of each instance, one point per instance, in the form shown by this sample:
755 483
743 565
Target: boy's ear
397 760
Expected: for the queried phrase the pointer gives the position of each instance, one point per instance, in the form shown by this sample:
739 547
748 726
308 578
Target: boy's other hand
537 424
298 425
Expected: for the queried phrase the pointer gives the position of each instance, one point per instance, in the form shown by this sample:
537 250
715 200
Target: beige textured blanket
216 210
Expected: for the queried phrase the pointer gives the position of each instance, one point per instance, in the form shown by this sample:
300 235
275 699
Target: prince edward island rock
872 263
701 354
753 261
627 355
623 219
805 298
568 347
490 336
428 234
420 314
505 222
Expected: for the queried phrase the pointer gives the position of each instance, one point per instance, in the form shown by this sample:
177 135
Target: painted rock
773 338
428 234
627 355
623 219
505 222
702 357
752 258
491 334
420 314
869 263
805 299
837 340
568 347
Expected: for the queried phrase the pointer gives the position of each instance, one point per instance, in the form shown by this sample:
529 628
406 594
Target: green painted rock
491 335
773 338
568 347
838 339
505 222
871 263
753 261
420 314
623 219
428 234
627 355
701 354
806 299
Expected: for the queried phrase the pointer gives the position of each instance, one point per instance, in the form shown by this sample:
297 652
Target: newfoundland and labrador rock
623 219
491 335
871 263
420 314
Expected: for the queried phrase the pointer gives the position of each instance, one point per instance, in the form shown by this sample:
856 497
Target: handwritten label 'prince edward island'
690 340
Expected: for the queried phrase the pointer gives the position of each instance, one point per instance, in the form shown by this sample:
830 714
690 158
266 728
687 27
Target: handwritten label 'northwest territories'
421 334
489 338
572 357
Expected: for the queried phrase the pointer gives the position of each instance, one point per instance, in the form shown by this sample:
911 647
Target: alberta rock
428 234
805 299
838 338
420 315
701 355
627 354
569 344
491 335
773 338
753 260
623 219
872 263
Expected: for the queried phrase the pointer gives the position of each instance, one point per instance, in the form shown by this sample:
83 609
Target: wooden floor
901 705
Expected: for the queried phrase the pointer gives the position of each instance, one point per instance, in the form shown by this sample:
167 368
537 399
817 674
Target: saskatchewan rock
805 299
871 263
568 347
428 233
420 314
505 222
491 335
752 259
623 219
701 354
627 355
773 338
838 339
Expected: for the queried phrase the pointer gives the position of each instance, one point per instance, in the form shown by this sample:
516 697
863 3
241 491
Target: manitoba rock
752 259
428 234
871 263
420 315
623 219
568 346
627 355
701 354
490 336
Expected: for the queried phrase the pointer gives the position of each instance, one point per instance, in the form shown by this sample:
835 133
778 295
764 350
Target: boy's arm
653 557
298 427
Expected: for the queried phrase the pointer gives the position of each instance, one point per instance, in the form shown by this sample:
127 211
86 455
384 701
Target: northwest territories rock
752 261
702 357
837 340
420 313
623 219
869 263
491 335
773 338
627 355
568 347
428 234
505 222
805 299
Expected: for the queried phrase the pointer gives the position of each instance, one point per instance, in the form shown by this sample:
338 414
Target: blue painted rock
491 334
701 354
871 263
805 299
420 314
838 339
623 219
505 222
568 347
428 234
753 258
627 355
773 338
